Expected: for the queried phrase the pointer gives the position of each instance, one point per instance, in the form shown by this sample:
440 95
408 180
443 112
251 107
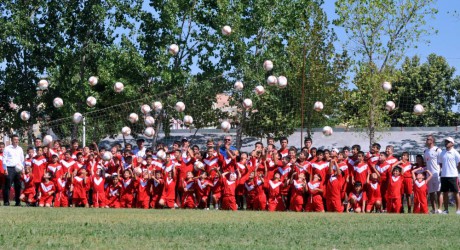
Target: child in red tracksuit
297 192
315 191
79 184
156 189
357 199
61 198
393 195
127 190
228 190
188 186
113 192
420 191
168 197
46 192
275 201
28 193
98 185
373 193
142 186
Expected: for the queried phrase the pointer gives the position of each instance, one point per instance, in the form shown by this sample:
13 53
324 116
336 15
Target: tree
431 84
380 31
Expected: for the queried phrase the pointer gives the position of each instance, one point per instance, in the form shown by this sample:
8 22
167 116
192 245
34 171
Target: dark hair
259 143
284 138
74 141
356 146
308 139
346 148
376 145
320 152
405 153
384 153
293 149
15 136
358 184
397 168
361 153
31 148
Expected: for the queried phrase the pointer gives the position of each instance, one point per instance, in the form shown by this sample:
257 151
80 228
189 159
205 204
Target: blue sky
445 43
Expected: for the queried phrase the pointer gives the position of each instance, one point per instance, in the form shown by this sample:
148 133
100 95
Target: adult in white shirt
430 155
13 156
449 161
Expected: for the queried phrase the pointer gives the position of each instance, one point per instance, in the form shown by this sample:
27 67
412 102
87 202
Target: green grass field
51 228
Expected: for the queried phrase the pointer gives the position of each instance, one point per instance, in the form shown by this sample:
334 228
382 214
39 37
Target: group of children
284 179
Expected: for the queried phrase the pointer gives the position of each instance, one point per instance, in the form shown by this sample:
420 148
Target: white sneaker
207 208
445 212
458 212
439 211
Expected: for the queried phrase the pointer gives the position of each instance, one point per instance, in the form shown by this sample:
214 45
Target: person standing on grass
449 161
13 156
431 154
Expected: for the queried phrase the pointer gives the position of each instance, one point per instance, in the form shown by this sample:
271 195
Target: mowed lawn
51 228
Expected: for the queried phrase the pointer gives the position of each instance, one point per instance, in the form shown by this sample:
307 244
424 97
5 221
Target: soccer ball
19 167
91 101
43 84
137 170
419 109
282 82
188 120
318 106
126 131
272 80
149 131
180 107
157 106
58 102
47 140
107 156
327 131
226 30
161 154
133 118
390 105
145 109
198 166
25 115
247 103
268 65
238 85
77 117
173 49
386 86
225 125
149 121
118 87
259 90
92 80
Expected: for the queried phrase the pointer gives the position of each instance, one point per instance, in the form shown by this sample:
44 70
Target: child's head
55 158
204 175
157 175
30 152
302 156
420 176
374 177
28 169
302 176
80 157
360 156
126 174
115 178
189 175
276 176
47 175
251 175
286 160
327 154
145 174
319 155
375 148
419 160
341 156
383 157
355 149
82 172
397 171
405 156
316 177
292 152
313 151
358 186
232 177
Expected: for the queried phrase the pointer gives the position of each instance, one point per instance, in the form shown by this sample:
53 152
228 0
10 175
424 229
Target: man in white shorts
431 154
449 161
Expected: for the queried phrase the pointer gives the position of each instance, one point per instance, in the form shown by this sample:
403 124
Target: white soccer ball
247 103
91 101
161 154
173 49
238 85
386 86
198 166
118 87
390 105
145 109
77 117
149 131
58 102
137 170
47 140
226 30
419 109
327 131
268 65
225 125
272 80
107 156
149 121
157 106
19 167
25 115
318 106
188 120
126 131
259 90
180 107
92 80
43 84
282 82
133 118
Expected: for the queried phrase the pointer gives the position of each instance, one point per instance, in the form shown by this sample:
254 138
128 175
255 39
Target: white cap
335 150
450 139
